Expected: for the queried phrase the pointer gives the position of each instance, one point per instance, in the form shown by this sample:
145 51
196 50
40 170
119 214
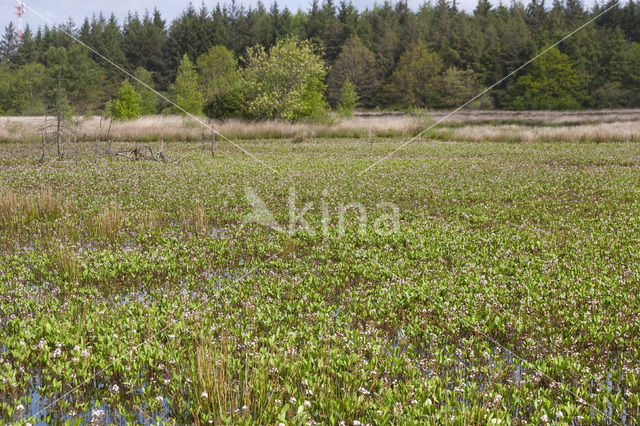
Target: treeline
387 57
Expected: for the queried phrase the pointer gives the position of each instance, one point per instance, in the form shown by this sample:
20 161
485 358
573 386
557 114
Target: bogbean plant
507 295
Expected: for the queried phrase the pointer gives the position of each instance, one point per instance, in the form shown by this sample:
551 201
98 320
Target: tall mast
20 12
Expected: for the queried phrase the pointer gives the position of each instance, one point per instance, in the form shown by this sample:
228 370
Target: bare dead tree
44 136
98 141
59 112
109 135
213 143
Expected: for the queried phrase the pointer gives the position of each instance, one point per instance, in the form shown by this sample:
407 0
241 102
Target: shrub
226 102
127 106
348 99
286 83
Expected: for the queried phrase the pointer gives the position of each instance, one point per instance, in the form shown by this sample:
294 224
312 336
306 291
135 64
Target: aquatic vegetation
136 292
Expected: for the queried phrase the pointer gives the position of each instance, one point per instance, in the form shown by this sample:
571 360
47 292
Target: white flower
544 419
204 394
159 399
307 404
85 353
559 415
245 408
356 423
379 412
281 424
278 402
96 414
292 400
341 423
115 388
20 409
363 391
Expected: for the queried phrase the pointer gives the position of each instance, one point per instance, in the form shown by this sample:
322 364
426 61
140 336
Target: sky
60 11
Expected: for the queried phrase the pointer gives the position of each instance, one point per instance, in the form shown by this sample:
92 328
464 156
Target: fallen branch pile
144 153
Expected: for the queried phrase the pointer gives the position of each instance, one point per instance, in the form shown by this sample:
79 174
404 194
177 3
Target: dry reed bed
626 131
528 126
177 128
43 203
540 117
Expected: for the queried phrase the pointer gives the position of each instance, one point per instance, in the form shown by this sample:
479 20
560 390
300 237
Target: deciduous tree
357 64
550 83
287 82
127 106
185 90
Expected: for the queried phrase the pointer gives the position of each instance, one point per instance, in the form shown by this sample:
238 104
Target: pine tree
82 78
8 44
416 81
111 47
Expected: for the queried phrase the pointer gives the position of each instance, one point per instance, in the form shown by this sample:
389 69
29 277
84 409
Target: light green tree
348 98
220 83
185 91
287 82
127 106
148 99
218 68
458 86
550 83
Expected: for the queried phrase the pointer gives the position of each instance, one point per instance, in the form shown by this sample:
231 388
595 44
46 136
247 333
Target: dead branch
144 153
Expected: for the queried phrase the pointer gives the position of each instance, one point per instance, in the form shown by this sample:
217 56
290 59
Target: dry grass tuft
199 218
66 262
300 138
224 383
43 204
212 379
109 223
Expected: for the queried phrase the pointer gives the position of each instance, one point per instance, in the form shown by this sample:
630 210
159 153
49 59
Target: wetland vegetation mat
453 283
